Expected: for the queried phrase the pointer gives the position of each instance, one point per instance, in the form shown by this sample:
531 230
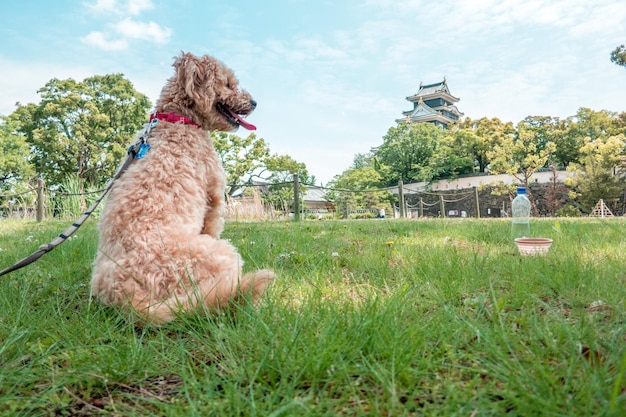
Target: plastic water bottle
520 208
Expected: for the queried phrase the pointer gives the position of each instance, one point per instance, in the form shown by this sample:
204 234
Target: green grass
374 317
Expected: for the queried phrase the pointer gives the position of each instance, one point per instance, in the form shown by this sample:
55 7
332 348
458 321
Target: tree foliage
454 156
521 155
247 158
81 128
15 166
280 171
481 136
359 186
241 157
568 140
408 150
618 56
281 168
600 174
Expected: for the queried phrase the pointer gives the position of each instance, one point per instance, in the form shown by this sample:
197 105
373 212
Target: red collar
174 118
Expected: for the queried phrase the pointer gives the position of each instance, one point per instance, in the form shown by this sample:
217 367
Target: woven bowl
533 245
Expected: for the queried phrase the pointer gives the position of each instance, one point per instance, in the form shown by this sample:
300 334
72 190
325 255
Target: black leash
135 151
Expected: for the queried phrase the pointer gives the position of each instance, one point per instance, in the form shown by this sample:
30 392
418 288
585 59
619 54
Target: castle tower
432 103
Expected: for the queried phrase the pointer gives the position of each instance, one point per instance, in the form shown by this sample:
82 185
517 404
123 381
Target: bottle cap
521 190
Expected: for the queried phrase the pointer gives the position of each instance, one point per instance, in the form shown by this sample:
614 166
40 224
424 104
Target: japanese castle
432 103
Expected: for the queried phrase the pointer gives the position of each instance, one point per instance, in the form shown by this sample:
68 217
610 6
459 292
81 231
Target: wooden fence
39 203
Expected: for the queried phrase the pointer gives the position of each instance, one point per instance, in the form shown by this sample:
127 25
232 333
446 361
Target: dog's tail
209 294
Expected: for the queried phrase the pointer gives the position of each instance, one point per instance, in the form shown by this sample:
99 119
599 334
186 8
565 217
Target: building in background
432 103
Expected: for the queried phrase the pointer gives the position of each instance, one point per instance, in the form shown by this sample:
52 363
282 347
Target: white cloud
118 34
103 6
100 40
603 19
132 7
489 17
149 31
137 6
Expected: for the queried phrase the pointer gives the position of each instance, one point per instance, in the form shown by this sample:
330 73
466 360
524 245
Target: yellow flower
389 243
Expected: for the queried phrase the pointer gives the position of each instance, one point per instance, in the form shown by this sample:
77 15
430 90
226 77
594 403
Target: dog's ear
195 75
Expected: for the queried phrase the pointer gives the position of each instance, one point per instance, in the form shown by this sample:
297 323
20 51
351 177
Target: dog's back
159 252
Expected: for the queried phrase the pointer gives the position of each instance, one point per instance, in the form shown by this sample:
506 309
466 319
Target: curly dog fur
159 253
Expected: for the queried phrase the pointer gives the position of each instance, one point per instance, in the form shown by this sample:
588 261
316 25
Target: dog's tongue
242 122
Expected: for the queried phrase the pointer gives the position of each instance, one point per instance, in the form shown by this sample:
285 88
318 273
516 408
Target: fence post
442 206
401 198
421 207
296 198
39 199
477 203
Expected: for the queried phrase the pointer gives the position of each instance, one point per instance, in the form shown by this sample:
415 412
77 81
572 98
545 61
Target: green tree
596 124
408 150
618 56
241 157
543 129
600 175
281 168
15 166
246 158
359 187
521 155
361 160
279 173
454 155
567 140
481 136
569 134
371 160
81 128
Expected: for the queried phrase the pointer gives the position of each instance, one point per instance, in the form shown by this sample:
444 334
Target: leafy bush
568 211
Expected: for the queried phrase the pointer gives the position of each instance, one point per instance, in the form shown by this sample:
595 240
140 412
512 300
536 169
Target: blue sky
331 77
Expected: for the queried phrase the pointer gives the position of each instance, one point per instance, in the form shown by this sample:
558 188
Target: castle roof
430 91
423 113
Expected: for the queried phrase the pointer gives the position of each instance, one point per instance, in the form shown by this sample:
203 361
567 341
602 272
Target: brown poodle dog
159 253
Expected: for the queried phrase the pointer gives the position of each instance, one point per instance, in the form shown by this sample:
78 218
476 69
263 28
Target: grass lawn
372 317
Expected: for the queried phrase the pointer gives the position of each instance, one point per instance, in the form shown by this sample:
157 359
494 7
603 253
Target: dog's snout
253 103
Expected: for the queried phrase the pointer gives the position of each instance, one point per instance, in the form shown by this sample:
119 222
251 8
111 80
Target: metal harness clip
141 145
